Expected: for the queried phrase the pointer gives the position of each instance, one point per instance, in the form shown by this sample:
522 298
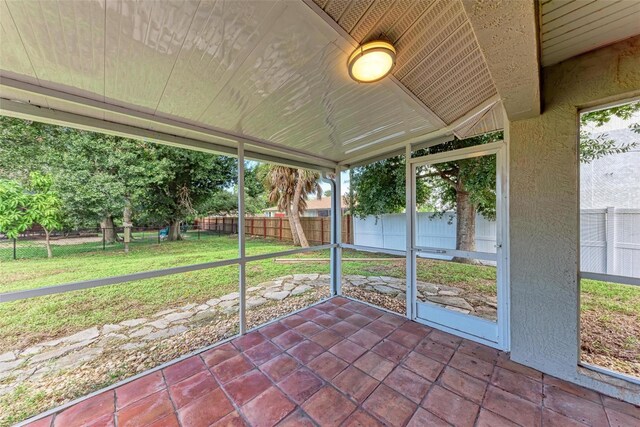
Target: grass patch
610 325
30 321
606 297
39 319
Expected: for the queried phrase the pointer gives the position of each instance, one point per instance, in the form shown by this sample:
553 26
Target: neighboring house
315 208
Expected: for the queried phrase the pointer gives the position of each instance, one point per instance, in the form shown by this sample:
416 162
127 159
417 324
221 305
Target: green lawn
34 249
30 321
610 297
610 312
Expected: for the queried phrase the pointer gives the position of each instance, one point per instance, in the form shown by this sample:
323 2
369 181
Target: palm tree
289 189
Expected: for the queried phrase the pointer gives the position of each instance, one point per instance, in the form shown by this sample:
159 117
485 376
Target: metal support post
410 217
336 234
241 241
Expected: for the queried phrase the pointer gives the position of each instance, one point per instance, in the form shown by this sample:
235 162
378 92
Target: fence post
321 231
264 226
14 247
104 240
159 234
611 239
280 238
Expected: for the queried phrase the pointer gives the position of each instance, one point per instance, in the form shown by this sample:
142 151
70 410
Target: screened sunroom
501 286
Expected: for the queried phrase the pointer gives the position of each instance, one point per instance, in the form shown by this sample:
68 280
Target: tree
225 201
102 178
44 206
93 173
106 179
306 183
185 181
14 205
593 147
21 207
379 188
289 190
466 186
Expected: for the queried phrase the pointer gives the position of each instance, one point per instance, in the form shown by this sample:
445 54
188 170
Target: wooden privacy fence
316 229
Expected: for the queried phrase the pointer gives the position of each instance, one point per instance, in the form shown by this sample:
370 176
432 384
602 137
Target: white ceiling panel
143 40
272 72
223 33
13 51
573 27
281 55
294 88
329 104
64 41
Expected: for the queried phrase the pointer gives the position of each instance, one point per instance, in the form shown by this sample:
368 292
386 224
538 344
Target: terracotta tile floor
346 363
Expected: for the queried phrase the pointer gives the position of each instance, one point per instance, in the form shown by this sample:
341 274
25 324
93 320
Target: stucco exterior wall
544 227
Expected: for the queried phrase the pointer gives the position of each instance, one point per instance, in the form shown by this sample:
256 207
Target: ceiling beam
440 135
507 32
27 111
15 94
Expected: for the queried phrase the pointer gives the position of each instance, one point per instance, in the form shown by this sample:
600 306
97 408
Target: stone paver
256 302
166 333
80 347
141 332
8 356
8 366
133 322
178 316
87 334
278 296
231 296
300 289
111 328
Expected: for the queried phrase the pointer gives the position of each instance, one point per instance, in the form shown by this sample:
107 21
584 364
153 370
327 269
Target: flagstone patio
346 363
72 351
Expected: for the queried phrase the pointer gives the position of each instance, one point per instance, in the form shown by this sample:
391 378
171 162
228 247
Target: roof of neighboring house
313 204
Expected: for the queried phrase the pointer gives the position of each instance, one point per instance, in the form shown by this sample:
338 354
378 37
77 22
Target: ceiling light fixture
372 61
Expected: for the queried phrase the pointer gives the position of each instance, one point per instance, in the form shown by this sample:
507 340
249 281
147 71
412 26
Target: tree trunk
109 229
295 212
174 230
126 222
465 225
292 227
47 243
298 224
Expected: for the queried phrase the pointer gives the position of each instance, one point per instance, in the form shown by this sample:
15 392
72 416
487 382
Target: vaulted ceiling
273 73
439 59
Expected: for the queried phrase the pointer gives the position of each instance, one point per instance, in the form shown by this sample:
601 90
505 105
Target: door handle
434 251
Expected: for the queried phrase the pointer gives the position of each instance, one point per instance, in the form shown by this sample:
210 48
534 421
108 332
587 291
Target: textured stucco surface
507 32
544 226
